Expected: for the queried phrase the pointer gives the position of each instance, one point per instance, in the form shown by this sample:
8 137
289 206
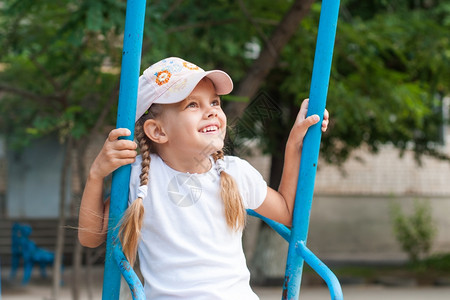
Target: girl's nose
212 112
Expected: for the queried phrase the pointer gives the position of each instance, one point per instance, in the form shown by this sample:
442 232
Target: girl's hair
131 224
229 191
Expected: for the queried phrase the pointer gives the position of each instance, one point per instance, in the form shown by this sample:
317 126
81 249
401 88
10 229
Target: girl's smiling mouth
209 129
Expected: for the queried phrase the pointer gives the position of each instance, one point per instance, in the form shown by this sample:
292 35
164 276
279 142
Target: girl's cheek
224 118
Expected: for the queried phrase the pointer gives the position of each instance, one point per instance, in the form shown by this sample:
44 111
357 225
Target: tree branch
266 61
47 75
104 113
266 40
27 94
172 9
201 25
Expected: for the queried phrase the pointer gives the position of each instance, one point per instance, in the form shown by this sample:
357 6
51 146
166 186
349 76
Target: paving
40 289
360 292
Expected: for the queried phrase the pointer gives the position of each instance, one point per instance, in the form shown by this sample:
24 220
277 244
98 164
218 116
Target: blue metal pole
310 153
129 77
281 229
321 269
135 285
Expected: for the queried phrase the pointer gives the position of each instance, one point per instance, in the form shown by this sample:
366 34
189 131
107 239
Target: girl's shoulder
230 159
232 163
136 170
237 165
136 167
252 186
138 161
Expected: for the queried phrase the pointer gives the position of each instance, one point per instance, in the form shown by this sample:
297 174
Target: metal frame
116 264
311 145
129 78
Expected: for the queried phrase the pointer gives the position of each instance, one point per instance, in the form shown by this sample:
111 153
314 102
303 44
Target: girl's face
197 125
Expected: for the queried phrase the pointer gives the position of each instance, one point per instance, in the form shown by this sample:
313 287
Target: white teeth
209 129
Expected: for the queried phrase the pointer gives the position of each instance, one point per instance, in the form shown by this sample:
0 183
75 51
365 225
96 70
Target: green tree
414 232
60 62
389 76
54 81
53 61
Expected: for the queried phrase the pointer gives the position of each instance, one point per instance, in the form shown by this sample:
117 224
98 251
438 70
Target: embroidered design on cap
162 77
190 66
173 67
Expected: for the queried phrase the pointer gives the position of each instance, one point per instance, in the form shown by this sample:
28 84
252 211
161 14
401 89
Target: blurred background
382 194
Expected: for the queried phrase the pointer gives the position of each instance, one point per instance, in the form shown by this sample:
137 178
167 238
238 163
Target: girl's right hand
114 154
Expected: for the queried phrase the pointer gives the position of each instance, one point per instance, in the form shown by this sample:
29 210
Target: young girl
187 200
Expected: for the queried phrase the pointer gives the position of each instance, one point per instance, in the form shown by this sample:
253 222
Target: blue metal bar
137 290
321 269
310 153
309 257
282 230
129 77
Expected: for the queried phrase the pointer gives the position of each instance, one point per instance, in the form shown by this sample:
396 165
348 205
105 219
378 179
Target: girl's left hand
326 120
279 205
302 124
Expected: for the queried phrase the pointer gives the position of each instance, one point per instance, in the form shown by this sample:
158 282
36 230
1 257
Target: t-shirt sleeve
251 184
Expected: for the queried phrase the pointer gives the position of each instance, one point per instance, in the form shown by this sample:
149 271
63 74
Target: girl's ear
154 131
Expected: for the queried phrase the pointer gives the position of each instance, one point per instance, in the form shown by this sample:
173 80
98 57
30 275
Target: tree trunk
269 259
88 275
250 84
80 158
76 267
62 220
80 151
269 246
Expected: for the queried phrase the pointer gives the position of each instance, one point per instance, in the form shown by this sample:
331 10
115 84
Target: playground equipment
24 249
116 264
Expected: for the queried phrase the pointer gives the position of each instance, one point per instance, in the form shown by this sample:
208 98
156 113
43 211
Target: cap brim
222 82
182 89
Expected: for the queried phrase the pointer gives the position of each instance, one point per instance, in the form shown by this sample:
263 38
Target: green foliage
59 66
214 37
60 60
415 232
390 72
440 262
52 60
387 84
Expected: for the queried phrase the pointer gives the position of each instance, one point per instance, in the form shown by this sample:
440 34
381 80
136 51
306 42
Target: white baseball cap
171 80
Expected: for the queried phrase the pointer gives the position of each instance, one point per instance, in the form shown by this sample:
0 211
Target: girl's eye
191 105
215 102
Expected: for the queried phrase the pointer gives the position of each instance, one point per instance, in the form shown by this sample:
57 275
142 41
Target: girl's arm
93 217
279 205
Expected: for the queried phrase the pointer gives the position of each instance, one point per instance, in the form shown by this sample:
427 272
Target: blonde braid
145 146
130 230
234 208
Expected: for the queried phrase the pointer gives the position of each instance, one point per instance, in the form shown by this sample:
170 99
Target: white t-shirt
187 250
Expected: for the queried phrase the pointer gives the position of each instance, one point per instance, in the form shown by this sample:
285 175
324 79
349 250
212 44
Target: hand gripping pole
129 78
310 153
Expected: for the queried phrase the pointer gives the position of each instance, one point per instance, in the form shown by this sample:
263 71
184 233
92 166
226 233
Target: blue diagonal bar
281 229
129 78
310 154
135 285
317 265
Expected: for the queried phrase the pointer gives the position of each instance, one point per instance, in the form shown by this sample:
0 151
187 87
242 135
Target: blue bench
24 249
